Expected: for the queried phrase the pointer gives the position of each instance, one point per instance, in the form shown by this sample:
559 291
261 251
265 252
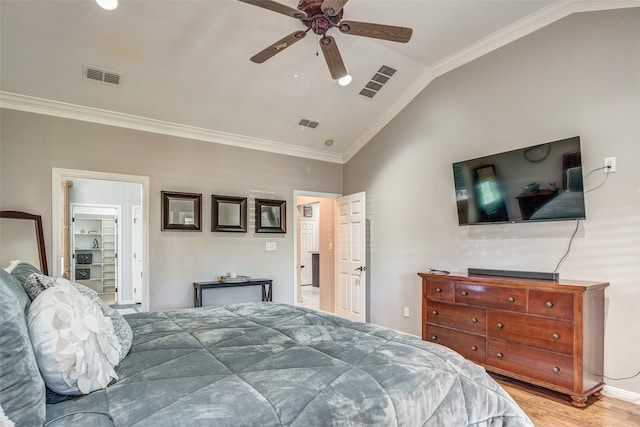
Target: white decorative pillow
120 326
12 265
4 420
74 343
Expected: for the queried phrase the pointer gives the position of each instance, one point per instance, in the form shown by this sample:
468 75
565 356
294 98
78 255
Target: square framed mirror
181 211
229 214
271 216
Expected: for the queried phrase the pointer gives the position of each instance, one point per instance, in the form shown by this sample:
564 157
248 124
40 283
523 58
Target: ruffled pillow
120 326
74 343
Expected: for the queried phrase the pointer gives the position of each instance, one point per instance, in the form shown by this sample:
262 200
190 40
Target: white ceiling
185 65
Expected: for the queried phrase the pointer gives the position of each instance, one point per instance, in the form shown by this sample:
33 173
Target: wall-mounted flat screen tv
538 183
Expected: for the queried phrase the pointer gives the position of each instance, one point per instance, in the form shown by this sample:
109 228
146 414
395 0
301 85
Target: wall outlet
270 246
406 312
609 164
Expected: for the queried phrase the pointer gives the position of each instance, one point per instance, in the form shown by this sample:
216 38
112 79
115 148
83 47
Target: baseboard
621 394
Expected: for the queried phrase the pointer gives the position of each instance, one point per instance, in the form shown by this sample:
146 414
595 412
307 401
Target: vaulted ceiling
183 66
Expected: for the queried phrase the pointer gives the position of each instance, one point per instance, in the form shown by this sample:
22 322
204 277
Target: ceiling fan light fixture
107 4
345 80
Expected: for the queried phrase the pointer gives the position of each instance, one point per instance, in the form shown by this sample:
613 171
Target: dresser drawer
539 365
546 334
512 299
470 346
441 290
469 319
551 304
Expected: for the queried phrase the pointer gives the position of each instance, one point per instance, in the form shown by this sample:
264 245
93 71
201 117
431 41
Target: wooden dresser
548 333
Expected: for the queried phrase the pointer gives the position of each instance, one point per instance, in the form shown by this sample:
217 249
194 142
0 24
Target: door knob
362 268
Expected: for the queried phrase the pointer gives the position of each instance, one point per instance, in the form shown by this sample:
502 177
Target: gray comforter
269 364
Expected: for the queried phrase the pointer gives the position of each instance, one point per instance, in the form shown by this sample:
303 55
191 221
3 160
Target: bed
253 364
569 203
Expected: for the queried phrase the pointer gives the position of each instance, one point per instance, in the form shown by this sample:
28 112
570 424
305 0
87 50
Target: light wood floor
547 408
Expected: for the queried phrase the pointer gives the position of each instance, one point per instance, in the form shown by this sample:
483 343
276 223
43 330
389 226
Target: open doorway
129 191
340 254
314 273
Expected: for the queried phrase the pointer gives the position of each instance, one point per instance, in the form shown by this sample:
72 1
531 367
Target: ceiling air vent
379 79
308 123
101 76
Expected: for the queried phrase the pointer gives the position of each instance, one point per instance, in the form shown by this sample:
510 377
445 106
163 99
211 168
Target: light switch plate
271 246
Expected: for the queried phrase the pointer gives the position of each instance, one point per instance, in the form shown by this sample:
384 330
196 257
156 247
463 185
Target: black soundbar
515 273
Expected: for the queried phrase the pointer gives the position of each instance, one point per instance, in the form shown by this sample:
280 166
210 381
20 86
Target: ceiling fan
320 16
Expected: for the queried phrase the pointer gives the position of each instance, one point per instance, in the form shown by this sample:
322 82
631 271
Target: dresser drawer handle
511 299
474 348
499 355
438 290
464 293
474 320
434 337
555 336
556 369
548 304
434 312
499 325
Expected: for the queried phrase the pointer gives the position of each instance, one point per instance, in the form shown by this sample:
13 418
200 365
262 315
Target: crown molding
527 25
48 107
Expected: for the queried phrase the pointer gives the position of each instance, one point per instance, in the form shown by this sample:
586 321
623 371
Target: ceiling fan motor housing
316 19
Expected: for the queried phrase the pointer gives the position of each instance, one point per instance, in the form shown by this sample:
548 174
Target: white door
351 240
308 243
136 231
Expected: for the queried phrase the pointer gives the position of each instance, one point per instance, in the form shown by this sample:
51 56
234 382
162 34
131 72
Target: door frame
296 219
57 176
137 296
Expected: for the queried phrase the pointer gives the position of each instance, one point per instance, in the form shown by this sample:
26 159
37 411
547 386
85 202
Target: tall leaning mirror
22 238
229 213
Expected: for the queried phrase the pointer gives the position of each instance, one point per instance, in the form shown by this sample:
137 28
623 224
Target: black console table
267 286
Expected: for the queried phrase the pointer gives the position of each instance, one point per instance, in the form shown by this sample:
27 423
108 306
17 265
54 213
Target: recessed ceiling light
328 142
107 4
344 81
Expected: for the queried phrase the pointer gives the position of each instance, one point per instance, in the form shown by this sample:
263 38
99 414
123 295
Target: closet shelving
95 240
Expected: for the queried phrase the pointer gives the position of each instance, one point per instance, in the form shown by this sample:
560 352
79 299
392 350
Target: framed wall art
181 211
271 216
229 213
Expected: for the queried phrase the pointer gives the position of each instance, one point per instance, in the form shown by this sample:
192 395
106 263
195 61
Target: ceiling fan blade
277 7
278 46
333 58
376 31
332 7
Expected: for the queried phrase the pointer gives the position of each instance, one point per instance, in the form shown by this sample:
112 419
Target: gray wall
579 76
32 144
